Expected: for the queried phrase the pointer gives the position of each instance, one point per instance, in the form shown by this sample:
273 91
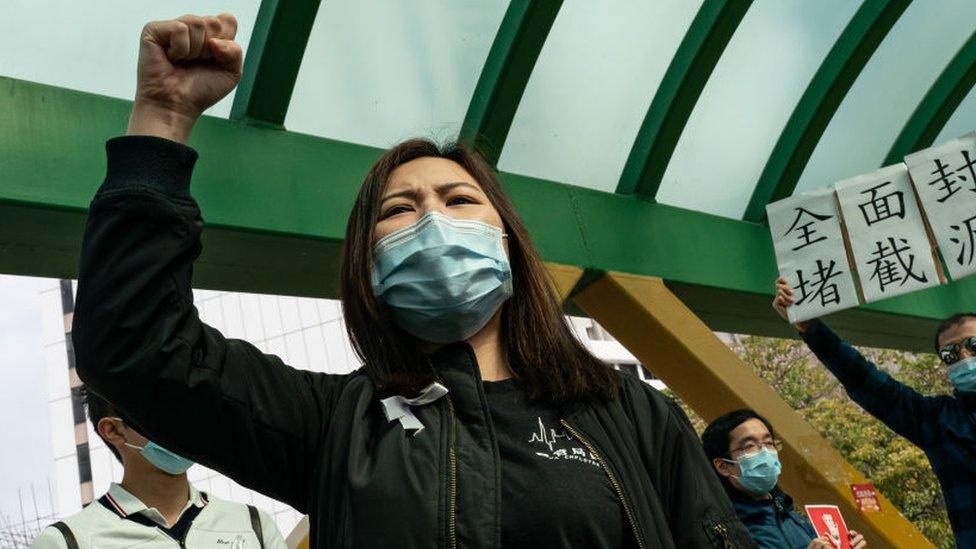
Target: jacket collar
779 498
124 503
455 356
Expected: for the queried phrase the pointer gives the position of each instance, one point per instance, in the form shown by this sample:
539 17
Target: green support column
675 98
937 106
823 95
506 72
274 56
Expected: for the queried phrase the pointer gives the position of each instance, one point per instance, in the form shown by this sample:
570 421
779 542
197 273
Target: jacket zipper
452 458
452 454
613 481
723 533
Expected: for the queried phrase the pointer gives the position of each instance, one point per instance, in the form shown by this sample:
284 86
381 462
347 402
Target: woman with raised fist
478 419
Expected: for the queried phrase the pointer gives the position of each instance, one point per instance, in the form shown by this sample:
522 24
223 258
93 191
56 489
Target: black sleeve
140 344
699 511
900 407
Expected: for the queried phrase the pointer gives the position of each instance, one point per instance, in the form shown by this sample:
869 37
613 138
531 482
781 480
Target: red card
866 497
828 523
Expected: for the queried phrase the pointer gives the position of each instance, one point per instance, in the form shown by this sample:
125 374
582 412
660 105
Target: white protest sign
810 254
945 180
891 248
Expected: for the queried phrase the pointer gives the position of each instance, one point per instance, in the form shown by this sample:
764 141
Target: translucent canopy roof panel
962 121
379 71
589 92
751 94
886 93
93 46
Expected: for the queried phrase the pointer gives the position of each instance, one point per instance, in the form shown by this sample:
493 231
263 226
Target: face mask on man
160 457
758 472
962 375
442 278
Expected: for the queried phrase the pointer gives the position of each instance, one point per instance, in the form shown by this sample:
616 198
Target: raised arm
138 339
900 407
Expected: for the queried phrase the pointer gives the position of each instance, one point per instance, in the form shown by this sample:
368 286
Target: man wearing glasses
943 426
745 453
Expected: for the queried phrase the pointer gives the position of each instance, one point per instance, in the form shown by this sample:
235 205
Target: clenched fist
185 66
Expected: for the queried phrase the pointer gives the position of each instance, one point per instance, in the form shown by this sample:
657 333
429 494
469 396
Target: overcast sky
25 457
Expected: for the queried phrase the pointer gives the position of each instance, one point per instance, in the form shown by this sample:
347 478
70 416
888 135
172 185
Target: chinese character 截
891 267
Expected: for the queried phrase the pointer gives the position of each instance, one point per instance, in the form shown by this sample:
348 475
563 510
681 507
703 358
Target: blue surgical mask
442 278
759 472
163 459
962 375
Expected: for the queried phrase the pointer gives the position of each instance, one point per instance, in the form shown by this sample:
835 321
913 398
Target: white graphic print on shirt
551 438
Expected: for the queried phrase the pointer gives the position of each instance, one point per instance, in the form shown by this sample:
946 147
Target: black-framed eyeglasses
950 353
752 447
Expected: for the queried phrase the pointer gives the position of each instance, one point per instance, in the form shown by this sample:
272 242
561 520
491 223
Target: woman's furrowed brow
441 189
445 188
406 193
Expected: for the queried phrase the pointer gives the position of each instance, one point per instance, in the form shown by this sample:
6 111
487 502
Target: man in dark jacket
943 426
745 454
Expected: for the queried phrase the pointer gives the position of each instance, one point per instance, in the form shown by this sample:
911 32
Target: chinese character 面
891 267
879 208
806 233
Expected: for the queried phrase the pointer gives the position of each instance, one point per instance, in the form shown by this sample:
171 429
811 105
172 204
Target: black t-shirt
549 478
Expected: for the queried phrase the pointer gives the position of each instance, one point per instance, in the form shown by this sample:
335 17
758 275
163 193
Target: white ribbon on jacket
399 407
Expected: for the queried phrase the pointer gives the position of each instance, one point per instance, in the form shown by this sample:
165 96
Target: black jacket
321 442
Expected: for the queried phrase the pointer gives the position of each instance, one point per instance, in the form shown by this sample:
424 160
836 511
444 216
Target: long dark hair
542 351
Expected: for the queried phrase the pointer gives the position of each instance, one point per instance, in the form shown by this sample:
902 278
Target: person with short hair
943 426
744 451
154 506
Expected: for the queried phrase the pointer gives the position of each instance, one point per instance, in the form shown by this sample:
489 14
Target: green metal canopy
276 199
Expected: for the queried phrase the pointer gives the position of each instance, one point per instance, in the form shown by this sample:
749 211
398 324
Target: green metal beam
506 72
942 99
274 56
276 204
820 101
678 93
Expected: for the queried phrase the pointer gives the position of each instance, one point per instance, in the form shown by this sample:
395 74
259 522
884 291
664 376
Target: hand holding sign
783 300
829 525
